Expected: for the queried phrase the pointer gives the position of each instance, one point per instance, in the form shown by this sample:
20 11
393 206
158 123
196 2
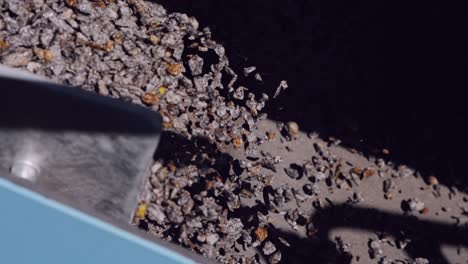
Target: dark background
374 75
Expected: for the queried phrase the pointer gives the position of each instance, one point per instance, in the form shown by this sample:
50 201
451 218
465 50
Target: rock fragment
275 258
19 58
375 249
415 205
261 233
268 248
292 129
294 171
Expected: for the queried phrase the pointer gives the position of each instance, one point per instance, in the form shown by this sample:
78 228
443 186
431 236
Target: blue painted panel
34 229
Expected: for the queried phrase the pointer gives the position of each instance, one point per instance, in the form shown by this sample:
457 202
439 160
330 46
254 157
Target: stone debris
275 257
421 261
375 249
292 129
268 248
415 205
282 86
261 233
294 171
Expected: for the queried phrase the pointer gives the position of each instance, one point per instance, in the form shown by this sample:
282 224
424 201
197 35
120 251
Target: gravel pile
220 181
136 51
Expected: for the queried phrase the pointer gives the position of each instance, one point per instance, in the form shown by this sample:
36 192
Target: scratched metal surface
91 150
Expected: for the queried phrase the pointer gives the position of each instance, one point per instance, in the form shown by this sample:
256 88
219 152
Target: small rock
3 45
415 205
275 258
388 184
421 261
292 129
212 239
308 189
21 57
102 88
388 195
268 248
282 86
249 70
405 171
238 142
432 180
258 77
271 135
196 65
261 233
368 172
154 39
149 98
156 213
375 248
141 211
294 171
174 69
320 176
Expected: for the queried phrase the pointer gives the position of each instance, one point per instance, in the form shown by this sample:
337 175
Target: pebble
294 171
261 233
249 70
156 213
282 86
308 189
268 248
3 44
432 180
404 171
275 258
388 185
421 261
415 205
212 239
292 129
375 249
20 58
